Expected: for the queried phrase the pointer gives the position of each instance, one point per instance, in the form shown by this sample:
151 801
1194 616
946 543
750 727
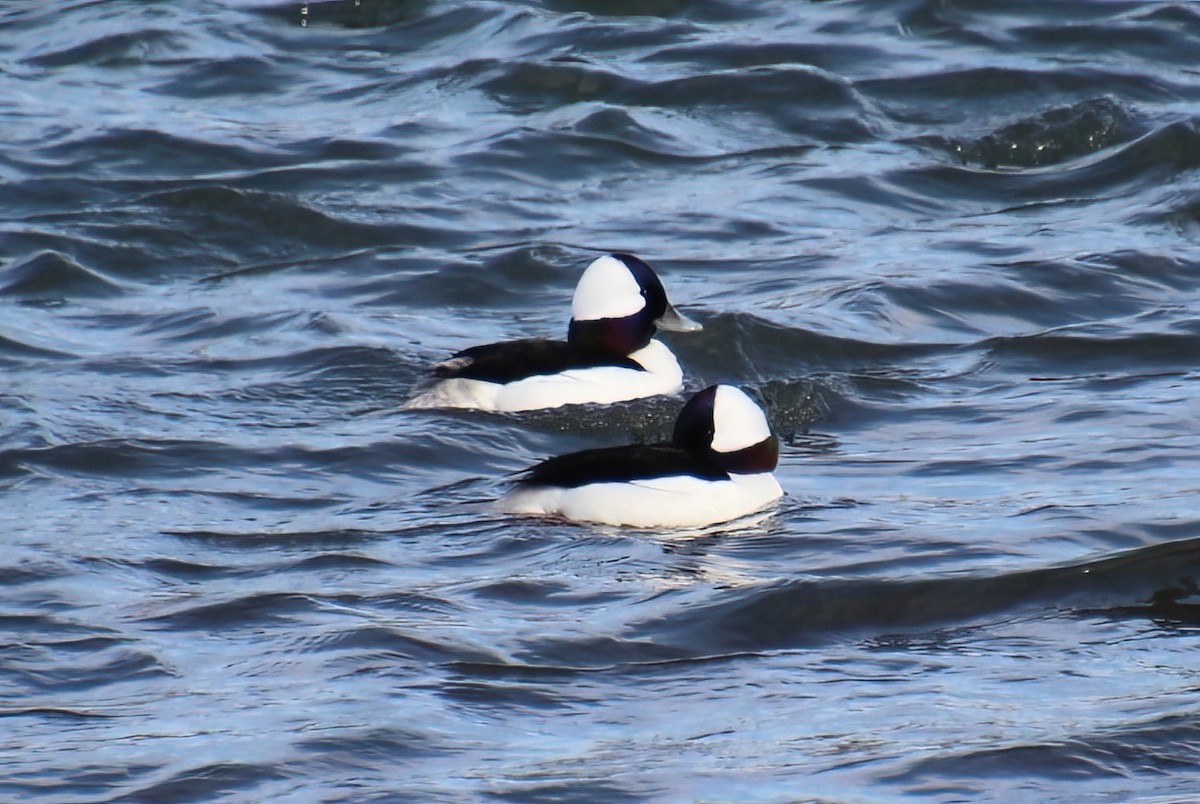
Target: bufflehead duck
717 467
610 354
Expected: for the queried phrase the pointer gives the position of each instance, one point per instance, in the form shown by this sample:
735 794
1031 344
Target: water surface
950 245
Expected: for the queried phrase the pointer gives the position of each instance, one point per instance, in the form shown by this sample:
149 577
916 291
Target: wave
13 350
1163 744
757 347
1152 582
223 212
350 14
701 10
113 50
152 153
832 113
1050 137
237 76
205 781
1161 156
56 658
53 276
1063 351
828 55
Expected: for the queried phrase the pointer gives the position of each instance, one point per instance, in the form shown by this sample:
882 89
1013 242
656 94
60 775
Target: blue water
950 245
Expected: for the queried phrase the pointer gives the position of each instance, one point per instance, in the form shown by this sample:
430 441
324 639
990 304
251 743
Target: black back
621 464
689 453
515 360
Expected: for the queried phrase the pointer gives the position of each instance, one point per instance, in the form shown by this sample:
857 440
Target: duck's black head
727 426
618 305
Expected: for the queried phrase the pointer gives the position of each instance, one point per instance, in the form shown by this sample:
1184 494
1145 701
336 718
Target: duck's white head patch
738 422
607 289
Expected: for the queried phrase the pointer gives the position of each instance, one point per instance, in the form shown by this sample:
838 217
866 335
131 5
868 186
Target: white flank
599 385
738 422
606 290
667 502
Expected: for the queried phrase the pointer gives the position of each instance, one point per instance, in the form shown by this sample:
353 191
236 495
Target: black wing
619 464
529 357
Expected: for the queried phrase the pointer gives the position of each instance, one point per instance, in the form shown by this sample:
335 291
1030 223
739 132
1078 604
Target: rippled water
951 244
